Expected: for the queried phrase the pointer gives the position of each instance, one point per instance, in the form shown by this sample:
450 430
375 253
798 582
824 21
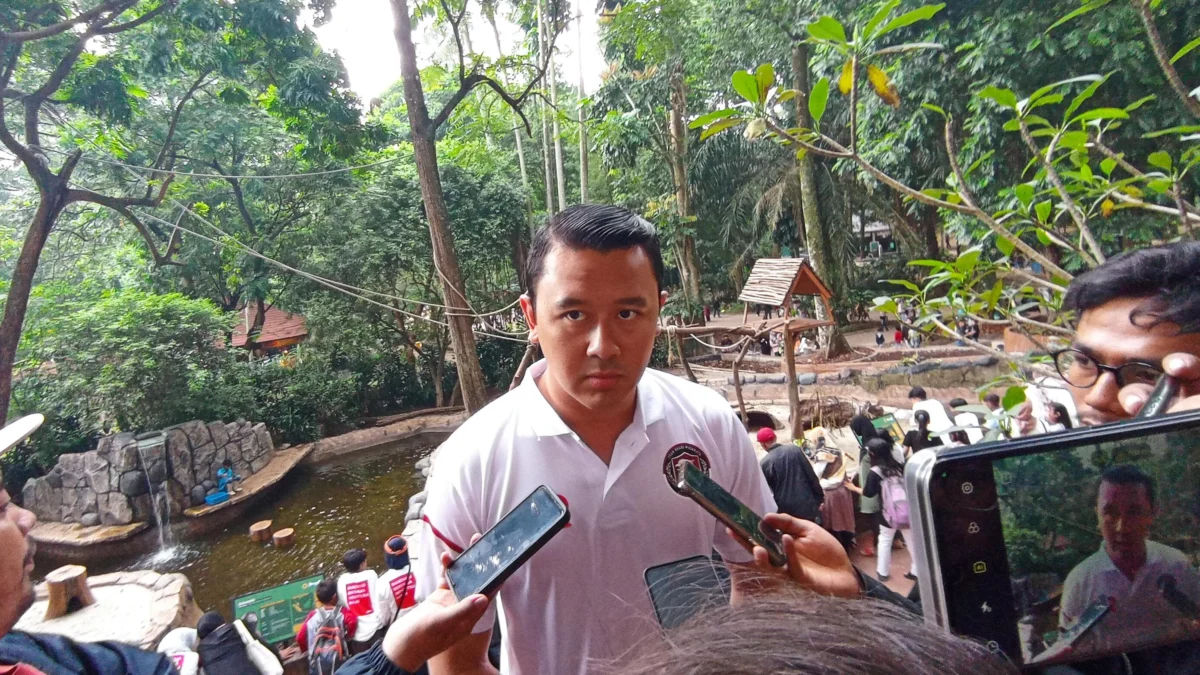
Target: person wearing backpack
325 632
886 481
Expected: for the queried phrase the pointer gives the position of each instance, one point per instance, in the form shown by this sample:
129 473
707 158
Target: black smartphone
484 566
1068 547
682 589
738 517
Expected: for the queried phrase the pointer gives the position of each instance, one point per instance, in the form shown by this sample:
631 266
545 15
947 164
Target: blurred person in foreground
1137 317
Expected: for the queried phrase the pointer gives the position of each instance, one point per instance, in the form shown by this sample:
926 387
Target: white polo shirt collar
545 421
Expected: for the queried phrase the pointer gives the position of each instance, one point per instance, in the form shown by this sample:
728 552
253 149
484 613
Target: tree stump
68 590
261 531
285 538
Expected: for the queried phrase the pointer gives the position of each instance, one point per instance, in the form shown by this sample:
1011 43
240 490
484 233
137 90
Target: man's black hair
956 403
918 392
1169 276
1128 474
354 559
594 227
227 462
992 398
208 623
327 591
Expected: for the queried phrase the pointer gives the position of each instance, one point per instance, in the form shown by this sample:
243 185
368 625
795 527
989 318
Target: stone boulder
197 495
90 520
197 433
85 503
265 442
72 470
179 453
98 472
133 483
220 437
115 509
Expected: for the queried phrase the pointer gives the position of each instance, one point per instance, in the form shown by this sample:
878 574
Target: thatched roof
773 282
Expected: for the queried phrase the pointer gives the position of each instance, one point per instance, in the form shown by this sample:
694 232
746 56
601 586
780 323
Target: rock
260 463
202 459
219 436
48 502
210 491
424 462
90 520
242 468
72 469
923 367
143 509
157 473
776 378
984 361
147 436
805 379
234 432
414 512
54 478
104 447
418 498
96 468
197 433
426 471
249 447
210 484
125 456
265 442
133 483
115 509
180 455
197 495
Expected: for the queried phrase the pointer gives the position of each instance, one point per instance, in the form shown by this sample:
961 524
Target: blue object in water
216 498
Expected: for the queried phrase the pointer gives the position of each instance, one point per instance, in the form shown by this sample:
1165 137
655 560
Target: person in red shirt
327 595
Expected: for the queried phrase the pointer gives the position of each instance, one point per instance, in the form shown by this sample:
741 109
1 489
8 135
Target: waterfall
160 501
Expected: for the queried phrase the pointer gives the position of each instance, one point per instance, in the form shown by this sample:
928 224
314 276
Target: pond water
354 502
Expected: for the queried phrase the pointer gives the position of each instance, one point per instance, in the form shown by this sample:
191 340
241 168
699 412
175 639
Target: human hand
434 625
1182 366
815 558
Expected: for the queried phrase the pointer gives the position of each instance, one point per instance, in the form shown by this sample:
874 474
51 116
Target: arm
351 620
302 634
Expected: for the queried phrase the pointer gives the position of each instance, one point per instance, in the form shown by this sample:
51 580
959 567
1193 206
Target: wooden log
687 367
737 379
261 531
526 361
789 361
68 591
285 538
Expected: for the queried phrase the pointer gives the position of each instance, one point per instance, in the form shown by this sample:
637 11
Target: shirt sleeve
302 634
448 523
748 484
351 620
871 489
1073 598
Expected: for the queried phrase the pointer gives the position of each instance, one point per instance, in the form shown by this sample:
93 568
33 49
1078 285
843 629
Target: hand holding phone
745 524
815 558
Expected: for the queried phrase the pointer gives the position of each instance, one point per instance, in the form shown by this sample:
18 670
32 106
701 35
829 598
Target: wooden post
687 367
737 379
745 312
260 531
68 590
526 361
789 361
285 538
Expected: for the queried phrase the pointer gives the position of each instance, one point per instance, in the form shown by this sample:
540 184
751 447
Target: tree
423 133
55 65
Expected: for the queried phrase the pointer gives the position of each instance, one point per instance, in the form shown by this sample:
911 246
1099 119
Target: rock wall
116 484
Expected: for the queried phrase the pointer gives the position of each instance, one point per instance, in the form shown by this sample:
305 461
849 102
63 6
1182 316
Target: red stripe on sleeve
437 533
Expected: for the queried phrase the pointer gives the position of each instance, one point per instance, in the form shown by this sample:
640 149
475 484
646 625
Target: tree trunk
929 231
516 138
52 202
690 265
439 375
547 162
458 315
583 143
558 151
809 217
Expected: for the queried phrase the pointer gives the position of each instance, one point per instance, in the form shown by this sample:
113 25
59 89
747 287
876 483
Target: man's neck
1129 566
598 430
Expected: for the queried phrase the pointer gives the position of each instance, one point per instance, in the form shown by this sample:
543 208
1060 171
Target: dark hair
992 398
917 392
1128 474
862 427
594 227
1064 417
922 419
354 559
960 436
1168 276
227 462
208 623
882 457
957 402
327 591
794 632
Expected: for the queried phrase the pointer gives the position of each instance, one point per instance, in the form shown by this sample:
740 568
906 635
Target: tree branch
175 118
118 203
1132 170
129 25
159 259
1121 196
1076 214
34 164
1164 60
19 37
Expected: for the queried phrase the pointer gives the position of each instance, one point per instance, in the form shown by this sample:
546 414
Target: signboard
280 609
888 422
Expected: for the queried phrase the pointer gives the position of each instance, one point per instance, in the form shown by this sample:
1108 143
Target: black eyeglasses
1081 370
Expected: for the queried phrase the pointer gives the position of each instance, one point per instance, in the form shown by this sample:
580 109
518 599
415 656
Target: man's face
1107 336
1125 518
16 562
596 317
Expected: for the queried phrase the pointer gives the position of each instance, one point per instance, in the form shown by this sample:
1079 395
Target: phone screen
502 549
1074 551
730 510
682 589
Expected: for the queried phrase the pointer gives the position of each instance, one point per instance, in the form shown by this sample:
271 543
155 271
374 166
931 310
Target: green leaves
1024 193
827 29
1187 129
720 126
909 18
879 17
818 100
1004 97
1102 114
1161 160
764 77
1185 50
711 117
755 87
1089 6
1013 397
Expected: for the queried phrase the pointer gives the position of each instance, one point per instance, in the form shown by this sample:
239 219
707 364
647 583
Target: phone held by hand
1067 547
484 566
746 524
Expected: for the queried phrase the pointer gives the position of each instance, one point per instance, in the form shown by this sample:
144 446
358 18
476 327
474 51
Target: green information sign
888 422
280 609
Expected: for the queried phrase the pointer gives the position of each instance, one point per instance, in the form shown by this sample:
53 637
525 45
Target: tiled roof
277 325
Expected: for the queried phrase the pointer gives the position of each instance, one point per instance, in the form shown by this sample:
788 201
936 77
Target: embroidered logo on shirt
680 455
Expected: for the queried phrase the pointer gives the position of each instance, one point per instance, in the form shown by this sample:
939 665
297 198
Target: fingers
474 538
463 615
1133 397
1182 365
787 524
749 546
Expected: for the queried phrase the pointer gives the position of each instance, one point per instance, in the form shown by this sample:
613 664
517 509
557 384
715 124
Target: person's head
595 277
792 632
1125 510
395 553
228 464
992 401
16 560
917 394
960 437
327 592
354 559
766 438
922 419
957 403
881 455
862 427
1137 307
1056 413
209 622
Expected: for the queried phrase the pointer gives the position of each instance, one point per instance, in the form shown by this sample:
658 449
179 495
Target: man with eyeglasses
1138 316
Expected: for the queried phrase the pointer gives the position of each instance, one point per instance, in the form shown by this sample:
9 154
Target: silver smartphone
1067 547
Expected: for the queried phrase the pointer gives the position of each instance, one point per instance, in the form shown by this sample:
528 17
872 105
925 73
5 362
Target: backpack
895 501
327 648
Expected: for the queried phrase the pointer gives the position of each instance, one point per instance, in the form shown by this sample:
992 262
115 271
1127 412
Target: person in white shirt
1151 589
396 589
357 591
611 438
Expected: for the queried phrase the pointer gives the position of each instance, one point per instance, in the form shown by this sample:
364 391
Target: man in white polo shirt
1152 590
606 434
